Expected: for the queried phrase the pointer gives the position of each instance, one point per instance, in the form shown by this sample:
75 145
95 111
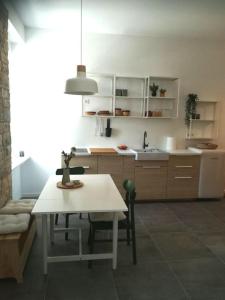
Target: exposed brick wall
5 137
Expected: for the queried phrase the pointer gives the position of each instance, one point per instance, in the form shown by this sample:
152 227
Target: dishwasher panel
212 175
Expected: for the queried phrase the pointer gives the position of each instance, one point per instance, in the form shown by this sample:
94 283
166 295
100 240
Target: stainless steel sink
150 154
80 151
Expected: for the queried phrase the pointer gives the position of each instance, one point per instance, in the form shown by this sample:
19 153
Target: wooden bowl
126 113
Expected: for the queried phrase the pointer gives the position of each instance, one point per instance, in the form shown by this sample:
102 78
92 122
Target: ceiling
166 18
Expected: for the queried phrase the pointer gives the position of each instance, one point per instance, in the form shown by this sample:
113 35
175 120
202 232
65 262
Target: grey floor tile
202 278
149 281
215 241
180 252
203 223
146 210
165 221
193 208
79 282
176 245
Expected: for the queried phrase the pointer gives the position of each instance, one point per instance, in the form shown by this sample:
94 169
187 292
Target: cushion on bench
14 223
105 216
18 206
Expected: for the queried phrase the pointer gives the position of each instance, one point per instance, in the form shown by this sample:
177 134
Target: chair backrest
130 198
73 171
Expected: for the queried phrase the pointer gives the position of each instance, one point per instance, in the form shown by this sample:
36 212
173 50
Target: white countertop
183 152
131 152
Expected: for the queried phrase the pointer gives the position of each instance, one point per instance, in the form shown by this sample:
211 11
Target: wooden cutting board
103 151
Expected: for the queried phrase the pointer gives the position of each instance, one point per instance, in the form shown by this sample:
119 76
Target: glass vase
66 175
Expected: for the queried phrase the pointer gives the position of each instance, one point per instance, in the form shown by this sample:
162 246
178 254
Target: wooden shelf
99 96
129 98
138 99
201 120
199 138
162 98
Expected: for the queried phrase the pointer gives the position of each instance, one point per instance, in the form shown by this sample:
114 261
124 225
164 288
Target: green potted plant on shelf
162 92
190 107
154 89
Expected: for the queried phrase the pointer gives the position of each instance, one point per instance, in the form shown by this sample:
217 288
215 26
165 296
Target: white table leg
115 240
52 237
45 243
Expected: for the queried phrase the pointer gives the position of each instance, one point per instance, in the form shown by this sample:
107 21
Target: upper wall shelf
205 125
127 96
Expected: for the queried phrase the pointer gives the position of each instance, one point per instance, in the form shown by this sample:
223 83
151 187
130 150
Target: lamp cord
81 31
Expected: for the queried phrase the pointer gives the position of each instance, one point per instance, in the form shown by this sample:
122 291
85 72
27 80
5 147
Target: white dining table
98 194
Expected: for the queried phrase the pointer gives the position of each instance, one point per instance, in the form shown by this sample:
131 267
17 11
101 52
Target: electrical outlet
87 101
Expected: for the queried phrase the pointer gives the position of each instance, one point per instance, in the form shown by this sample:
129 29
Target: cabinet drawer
88 162
182 187
183 172
185 162
151 164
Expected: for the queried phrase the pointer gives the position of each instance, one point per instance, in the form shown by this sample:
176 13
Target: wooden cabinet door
183 177
151 180
112 165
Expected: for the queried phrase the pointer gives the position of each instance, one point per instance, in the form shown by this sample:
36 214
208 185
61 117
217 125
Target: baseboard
28 196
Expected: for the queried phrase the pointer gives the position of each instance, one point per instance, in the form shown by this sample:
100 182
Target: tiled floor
181 255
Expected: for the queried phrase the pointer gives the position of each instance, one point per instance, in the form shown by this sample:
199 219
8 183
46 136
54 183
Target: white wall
53 120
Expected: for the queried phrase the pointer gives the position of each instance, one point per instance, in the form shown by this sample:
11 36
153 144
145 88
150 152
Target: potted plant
162 92
190 107
154 89
66 171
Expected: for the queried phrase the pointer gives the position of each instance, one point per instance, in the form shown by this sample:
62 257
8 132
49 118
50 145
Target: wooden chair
126 221
73 171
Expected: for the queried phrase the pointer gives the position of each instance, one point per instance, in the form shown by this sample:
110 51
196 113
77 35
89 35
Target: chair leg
128 232
91 245
134 246
89 236
67 226
56 219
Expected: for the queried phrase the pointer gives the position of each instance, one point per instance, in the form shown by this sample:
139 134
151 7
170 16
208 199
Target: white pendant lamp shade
81 85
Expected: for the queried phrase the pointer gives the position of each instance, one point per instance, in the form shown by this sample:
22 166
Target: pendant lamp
81 85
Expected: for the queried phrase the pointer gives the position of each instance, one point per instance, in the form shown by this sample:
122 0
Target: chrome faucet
144 142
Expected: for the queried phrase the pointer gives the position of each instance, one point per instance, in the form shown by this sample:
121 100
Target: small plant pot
162 94
154 94
126 113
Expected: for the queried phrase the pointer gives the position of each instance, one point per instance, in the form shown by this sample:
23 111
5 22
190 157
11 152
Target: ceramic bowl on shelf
126 113
90 113
104 113
118 111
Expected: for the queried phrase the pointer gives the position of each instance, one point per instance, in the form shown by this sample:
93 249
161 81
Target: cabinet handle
182 177
151 167
215 158
86 167
183 166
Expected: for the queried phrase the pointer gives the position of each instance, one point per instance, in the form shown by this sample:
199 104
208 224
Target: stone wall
5 137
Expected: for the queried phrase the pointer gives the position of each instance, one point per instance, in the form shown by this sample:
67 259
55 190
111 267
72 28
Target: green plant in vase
162 92
190 107
66 171
154 89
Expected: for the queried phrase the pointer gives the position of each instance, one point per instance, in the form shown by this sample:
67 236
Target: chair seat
18 206
14 223
105 217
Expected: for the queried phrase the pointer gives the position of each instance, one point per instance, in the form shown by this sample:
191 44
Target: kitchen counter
130 152
183 152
